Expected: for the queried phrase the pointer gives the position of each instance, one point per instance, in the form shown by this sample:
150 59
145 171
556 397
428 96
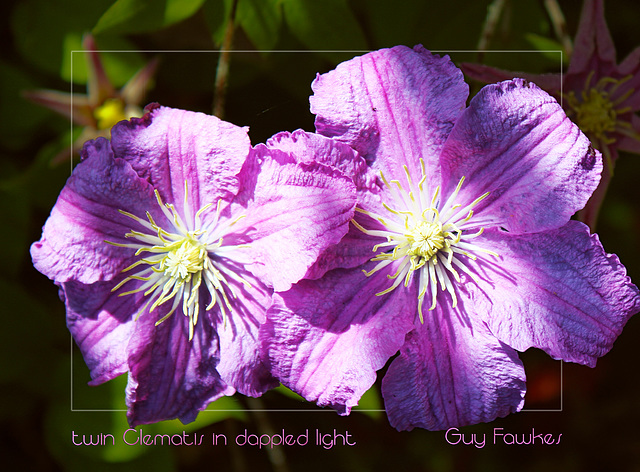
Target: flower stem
559 25
222 71
276 453
494 10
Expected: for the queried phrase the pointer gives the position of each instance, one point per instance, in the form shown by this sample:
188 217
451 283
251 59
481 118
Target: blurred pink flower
598 94
102 106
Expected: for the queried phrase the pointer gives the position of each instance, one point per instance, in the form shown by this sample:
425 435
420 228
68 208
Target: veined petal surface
515 142
452 372
295 211
328 337
558 291
168 146
394 106
86 214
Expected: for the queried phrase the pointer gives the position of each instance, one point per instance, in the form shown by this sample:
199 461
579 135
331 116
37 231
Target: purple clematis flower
466 214
167 242
598 94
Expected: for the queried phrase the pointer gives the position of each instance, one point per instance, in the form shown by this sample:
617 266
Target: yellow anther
428 241
181 262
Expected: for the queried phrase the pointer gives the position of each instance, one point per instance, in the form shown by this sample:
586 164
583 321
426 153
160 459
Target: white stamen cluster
427 235
183 256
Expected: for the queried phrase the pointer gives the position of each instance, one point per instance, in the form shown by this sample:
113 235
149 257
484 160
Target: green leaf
63 427
178 10
43 180
370 403
74 61
509 47
260 20
549 47
324 26
222 409
288 393
14 243
110 398
29 329
23 118
398 22
40 26
137 16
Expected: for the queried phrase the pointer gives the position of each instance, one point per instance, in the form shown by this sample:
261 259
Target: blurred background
167 51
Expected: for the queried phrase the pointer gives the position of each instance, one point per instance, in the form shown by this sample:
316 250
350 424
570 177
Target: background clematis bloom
102 106
461 252
167 242
598 94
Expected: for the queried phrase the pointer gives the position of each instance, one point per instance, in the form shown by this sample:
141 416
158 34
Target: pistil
181 259
431 239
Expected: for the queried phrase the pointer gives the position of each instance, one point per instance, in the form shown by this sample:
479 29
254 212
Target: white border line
356 51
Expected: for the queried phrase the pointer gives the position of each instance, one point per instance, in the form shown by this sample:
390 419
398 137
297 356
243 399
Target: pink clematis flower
598 94
461 252
167 242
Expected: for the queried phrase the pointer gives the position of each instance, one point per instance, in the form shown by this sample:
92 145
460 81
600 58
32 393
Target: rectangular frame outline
219 51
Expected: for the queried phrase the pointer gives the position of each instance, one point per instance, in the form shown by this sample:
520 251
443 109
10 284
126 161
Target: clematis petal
86 214
526 170
101 324
136 88
99 86
515 142
630 144
393 106
630 63
558 291
488 75
353 249
169 146
241 365
296 211
61 102
326 338
593 43
310 147
170 376
452 374
629 73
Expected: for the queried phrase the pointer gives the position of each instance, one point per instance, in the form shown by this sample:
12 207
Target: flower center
430 238
425 239
183 256
187 258
596 112
109 113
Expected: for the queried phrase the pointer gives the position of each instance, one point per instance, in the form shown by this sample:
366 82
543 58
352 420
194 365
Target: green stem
276 453
222 71
559 26
494 10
